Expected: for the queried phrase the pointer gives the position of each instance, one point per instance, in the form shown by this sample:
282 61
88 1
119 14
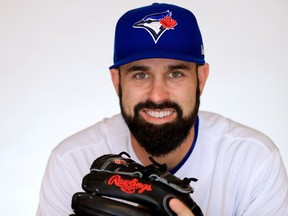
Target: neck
172 159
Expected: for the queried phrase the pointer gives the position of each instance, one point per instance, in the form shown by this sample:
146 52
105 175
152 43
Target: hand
179 208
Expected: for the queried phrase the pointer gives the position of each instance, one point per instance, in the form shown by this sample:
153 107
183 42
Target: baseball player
159 73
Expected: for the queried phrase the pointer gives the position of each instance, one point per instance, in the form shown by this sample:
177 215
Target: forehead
159 63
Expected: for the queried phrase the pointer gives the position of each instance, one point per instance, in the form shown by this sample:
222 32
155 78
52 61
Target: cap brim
158 54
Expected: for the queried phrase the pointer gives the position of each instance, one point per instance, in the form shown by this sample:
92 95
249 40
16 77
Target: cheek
129 100
187 99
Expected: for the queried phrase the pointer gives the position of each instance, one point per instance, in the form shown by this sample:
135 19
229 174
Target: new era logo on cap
156 24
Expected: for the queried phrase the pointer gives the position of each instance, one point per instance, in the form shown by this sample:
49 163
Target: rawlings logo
156 24
119 161
129 186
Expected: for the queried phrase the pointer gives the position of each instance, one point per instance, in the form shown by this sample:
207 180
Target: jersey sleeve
269 190
57 186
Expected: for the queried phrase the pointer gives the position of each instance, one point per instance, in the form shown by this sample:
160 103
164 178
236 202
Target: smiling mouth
159 114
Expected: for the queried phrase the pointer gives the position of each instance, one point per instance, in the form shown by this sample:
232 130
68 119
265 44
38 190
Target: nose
158 91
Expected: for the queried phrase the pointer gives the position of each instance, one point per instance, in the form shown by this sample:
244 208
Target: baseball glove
118 186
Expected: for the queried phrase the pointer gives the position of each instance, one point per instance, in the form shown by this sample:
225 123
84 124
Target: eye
175 74
141 75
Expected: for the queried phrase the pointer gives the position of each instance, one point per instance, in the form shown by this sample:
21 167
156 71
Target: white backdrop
54 79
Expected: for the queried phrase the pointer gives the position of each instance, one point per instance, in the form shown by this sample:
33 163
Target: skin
159 80
179 208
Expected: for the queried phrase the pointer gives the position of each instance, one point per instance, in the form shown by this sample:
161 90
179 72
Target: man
159 73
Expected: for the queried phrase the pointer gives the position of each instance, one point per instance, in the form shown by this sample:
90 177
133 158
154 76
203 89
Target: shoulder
71 160
245 159
230 132
96 137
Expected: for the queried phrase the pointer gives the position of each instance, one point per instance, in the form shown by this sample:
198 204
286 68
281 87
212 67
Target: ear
203 73
115 79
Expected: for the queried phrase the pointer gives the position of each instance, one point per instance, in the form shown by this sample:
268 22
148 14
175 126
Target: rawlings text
129 186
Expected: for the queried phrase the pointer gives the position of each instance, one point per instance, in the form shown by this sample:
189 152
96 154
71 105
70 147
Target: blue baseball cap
158 31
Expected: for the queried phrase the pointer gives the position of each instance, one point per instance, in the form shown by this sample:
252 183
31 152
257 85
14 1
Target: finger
179 208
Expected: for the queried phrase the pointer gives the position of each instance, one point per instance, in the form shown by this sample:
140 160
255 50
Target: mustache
163 105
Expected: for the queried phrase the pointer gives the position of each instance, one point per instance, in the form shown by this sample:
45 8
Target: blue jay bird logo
156 24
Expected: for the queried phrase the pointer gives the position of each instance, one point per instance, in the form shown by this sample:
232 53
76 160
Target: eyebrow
138 68
179 66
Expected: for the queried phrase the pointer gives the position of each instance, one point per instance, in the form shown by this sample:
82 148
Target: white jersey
239 170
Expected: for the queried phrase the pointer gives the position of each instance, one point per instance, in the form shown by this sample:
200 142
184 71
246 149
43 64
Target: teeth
159 114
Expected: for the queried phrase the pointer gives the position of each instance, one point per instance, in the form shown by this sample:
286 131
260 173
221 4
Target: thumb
179 208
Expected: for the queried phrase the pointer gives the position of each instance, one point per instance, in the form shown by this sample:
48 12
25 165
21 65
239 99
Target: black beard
160 140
